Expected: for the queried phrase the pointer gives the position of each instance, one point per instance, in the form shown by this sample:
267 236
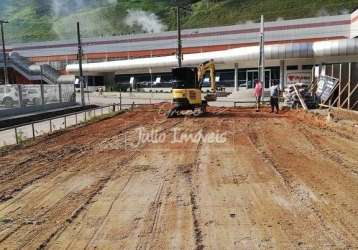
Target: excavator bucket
172 113
222 93
210 97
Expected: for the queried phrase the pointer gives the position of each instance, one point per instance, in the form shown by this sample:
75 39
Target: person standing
274 94
258 94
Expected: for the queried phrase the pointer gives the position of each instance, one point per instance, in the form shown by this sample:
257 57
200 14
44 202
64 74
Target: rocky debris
292 100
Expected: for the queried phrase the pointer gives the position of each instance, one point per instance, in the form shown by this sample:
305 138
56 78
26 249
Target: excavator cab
187 86
186 91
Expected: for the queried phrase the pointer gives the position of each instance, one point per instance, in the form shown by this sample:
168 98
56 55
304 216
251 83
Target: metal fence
24 95
19 133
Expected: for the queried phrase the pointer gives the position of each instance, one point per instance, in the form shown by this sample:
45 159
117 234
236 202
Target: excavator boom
205 67
187 89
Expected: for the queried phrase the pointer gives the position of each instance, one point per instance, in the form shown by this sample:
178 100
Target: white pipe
284 51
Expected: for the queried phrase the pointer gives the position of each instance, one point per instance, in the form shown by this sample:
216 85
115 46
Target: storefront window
292 67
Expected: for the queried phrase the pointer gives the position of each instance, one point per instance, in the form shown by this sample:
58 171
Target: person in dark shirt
274 94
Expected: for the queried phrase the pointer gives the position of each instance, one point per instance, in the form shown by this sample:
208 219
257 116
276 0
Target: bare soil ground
283 181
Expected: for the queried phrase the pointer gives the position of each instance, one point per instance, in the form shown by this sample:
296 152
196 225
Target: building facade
292 48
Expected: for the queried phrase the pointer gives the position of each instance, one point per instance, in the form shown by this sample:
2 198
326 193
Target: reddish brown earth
283 181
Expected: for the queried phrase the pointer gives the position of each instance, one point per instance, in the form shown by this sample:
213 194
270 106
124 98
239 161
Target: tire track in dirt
101 185
107 213
17 198
191 172
148 234
11 171
127 139
40 217
151 220
328 152
198 235
282 174
168 125
294 186
198 231
43 160
49 209
54 159
52 215
147 200
131 157
42 171
75 213
34 220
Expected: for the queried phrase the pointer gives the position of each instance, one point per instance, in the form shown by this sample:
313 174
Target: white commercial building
292 47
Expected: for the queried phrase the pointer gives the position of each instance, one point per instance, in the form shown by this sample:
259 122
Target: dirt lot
244 180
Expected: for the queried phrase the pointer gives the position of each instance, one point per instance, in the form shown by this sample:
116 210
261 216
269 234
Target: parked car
9 96
121 87
31 96
51 94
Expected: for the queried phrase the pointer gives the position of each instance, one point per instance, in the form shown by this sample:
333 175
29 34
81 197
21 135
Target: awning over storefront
346 47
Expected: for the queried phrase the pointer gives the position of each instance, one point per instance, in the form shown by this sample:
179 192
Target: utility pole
262 54
6 77
179 51
151 77
42 86
41 72
80 53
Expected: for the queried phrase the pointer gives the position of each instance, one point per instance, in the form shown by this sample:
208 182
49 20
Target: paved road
148 98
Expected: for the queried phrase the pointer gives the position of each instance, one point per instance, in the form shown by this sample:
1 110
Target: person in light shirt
274 93
258 94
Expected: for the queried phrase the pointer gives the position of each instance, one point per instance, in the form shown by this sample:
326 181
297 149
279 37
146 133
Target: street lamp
6 78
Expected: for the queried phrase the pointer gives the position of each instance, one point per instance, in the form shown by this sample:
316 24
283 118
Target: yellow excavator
187 89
